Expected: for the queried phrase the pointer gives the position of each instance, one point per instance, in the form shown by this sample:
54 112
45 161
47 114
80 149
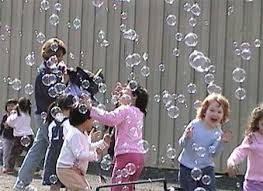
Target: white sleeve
11 120
80 151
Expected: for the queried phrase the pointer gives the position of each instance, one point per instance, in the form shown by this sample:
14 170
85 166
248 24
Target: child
8 137
37 152
20 121
252 148
57 130
201 141
77 151
127 120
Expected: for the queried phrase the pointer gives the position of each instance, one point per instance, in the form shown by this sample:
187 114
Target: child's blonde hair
47 51
255 116
220 99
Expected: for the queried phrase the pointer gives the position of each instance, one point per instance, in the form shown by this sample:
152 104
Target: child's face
10 107
126 96
88 125
214 114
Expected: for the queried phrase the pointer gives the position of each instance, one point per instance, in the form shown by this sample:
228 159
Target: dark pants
17 149
189 184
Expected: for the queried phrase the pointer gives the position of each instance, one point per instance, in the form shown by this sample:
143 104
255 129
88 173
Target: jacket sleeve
240 152
111 118
183 140
11 120
79 151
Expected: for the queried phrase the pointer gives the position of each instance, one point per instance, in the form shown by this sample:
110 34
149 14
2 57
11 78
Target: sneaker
19 186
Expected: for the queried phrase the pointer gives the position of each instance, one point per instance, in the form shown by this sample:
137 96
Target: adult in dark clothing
53 51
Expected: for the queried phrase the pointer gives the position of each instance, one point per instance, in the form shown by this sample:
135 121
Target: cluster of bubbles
198 61
195 11
128 170
239 74
244 50
16 85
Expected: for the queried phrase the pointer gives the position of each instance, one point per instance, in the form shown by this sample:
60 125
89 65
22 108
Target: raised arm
187 135
111 118
79 151
240 152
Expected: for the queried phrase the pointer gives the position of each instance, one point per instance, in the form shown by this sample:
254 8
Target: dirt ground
7 182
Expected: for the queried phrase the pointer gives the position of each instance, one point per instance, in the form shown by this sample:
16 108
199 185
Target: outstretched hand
107 139
117 90
226 136
188 132
232 169
95 136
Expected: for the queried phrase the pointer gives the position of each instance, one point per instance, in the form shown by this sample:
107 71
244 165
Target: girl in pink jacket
252 148
127 120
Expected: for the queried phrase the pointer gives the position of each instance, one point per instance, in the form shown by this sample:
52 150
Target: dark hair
64 102
77 118
9 102
24 105
142 98
255 116
47 51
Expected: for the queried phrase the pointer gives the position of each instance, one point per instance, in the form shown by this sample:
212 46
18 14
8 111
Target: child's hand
107 139
117 89
226 136
6 126
188 133
232 169
99 151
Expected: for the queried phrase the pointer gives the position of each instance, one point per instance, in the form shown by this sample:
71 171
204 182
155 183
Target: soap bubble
29 89
171 20
25 141
191 39
196 173
206 179
144 146
53 179
173 112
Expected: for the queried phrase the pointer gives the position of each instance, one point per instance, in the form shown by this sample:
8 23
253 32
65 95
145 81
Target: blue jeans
35 155
189 184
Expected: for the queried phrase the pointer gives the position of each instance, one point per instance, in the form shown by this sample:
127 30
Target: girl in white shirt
20 120
77 151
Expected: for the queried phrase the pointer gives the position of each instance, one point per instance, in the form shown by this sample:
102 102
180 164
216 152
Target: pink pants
120 162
